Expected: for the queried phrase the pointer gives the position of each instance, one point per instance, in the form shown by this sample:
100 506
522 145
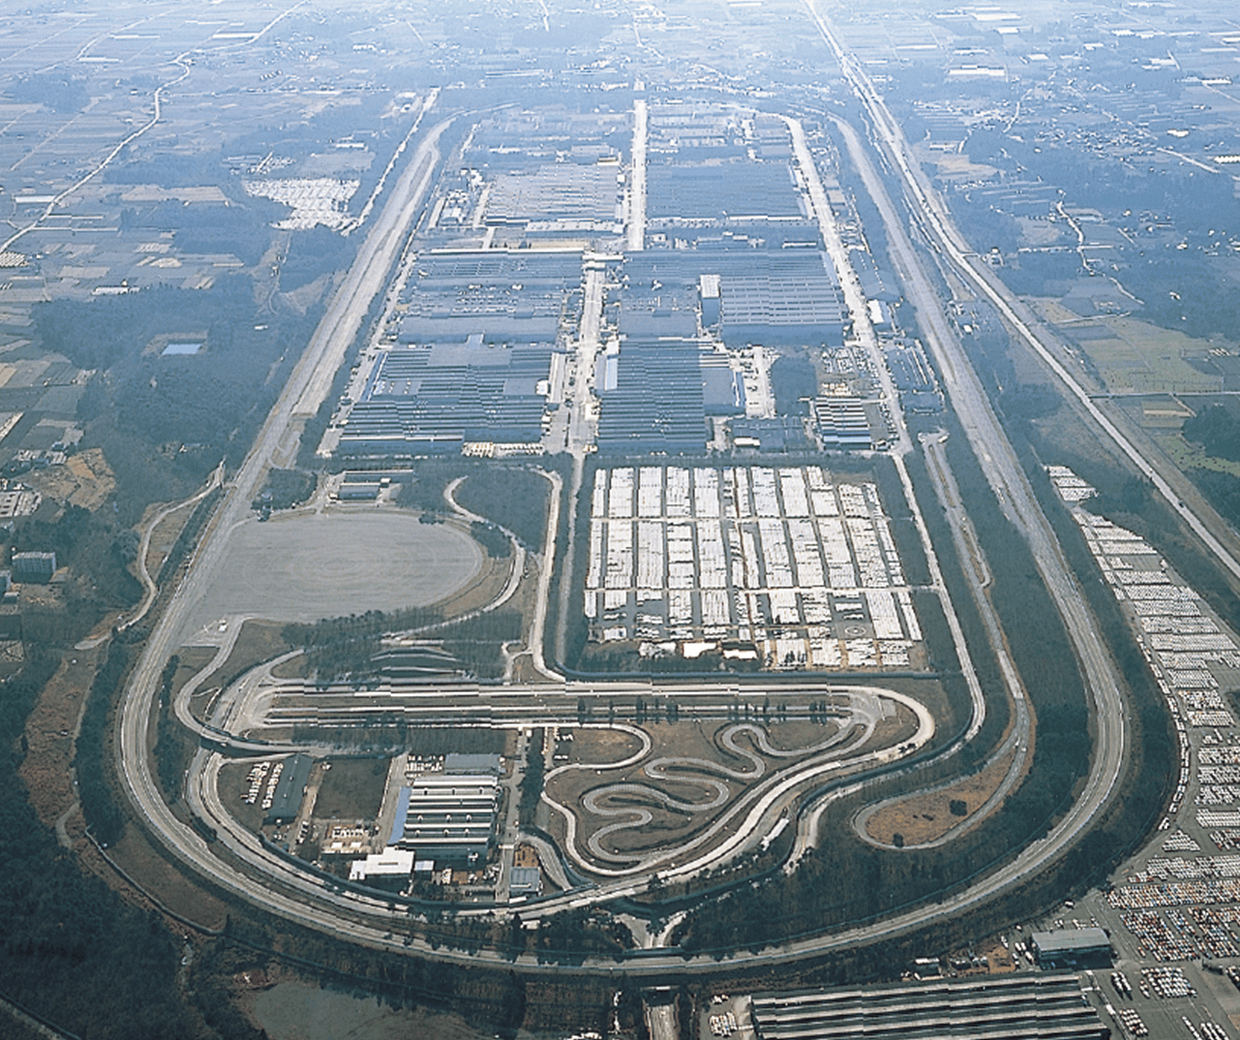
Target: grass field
259 641
1191 456
352 788
927 817
1137 356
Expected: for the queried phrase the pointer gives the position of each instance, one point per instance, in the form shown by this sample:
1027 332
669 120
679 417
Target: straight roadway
931 214
309 383
1017 739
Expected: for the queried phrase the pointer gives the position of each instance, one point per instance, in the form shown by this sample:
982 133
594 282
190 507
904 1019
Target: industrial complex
589 514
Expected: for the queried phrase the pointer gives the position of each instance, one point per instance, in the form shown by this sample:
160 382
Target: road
764 799
1000 465
150 589
269 879
312 376
961 525
582 426
932 214
183 63
298 896
637 180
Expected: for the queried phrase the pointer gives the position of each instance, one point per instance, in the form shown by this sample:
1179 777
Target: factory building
447 817
708 293
389 870
290 789
525 881
505 297
791 297
683 191
461 764
428 399
1072 946
663 313
723 387
770 436
768 296
560 197
842 423
655 404
999 1007
876 283
33 566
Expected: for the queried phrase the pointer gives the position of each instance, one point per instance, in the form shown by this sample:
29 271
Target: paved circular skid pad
318 565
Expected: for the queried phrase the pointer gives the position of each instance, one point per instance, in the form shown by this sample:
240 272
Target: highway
1001 467
967 548
932 215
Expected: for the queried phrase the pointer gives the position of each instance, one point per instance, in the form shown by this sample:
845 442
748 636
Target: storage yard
1174 908
796 564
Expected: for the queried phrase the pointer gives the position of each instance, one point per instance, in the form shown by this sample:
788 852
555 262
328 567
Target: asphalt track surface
297 896
255 872
863 329
763 801
310 565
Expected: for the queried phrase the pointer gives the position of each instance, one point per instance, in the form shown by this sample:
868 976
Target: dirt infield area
309 566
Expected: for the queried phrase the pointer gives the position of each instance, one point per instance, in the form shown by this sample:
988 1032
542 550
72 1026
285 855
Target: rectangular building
290 789
992 1007
447 817
656 406
1071 946
389 869
33 566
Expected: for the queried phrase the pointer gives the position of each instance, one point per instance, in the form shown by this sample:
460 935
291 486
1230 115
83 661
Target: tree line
349 647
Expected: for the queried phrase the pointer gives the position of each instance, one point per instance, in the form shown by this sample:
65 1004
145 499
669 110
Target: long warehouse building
1003 1007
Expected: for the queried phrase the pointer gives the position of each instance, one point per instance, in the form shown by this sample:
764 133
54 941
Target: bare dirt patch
602 746
1000 958
164 534
927 817
84 480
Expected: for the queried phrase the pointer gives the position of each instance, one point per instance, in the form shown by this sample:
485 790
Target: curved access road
307 386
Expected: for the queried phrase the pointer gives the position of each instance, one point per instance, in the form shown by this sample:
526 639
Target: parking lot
797 561
1175 906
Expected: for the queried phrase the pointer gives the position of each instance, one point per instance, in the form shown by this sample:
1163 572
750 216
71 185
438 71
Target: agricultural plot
1133 355
799 565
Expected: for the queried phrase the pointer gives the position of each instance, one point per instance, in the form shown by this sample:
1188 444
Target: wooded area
165 422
